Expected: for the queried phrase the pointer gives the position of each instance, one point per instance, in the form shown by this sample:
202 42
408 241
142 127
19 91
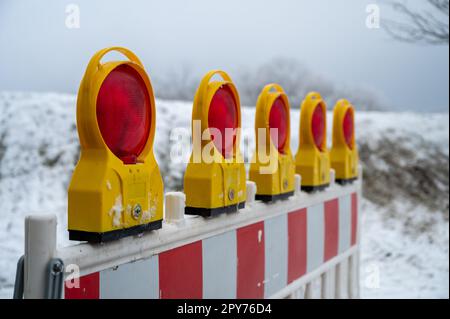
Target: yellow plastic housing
311 162
344 157
217 186
272 171
108 199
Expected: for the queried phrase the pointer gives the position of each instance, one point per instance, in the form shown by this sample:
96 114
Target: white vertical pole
40 246
357 255
309 290
342 278
251 192
174 207
332 274
328 282
332 177
298 184
357 282
353 267
354 277
323 287
300 293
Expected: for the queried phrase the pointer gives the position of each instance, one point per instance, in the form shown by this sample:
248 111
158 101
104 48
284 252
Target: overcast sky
38 52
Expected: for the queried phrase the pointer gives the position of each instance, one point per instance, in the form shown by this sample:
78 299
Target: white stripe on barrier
345 223
276 254
219 266
315 239
141 276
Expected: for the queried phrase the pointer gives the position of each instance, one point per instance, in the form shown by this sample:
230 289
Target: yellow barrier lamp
214 181
344 152
116 188
312 160
272 167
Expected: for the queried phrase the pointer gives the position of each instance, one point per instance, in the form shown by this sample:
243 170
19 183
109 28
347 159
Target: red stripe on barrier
250 263
297 228
89 288
354 218
331 229
180 272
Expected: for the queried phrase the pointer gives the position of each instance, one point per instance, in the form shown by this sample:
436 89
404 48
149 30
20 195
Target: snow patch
39 148
116 212
150 213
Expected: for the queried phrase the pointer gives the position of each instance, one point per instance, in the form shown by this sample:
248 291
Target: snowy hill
405 157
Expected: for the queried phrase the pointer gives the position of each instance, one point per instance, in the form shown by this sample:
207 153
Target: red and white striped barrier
263 251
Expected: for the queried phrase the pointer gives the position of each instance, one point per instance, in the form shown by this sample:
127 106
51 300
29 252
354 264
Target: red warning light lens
124 113
223 115
278 119
318 126
348 128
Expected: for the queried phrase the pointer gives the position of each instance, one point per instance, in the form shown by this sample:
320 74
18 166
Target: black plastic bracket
346 181
209 212
93 237
273 198
19 283
313 189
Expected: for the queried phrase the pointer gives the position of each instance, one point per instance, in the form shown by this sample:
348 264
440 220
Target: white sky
38 52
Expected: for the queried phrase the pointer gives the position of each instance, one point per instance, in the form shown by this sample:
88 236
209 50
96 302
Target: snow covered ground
405 233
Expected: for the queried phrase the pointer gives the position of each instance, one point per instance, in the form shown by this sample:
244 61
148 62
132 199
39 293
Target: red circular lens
348 128
223 115
124 113
278 119
318 126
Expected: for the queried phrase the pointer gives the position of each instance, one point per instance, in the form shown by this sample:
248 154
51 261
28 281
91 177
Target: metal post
40 246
